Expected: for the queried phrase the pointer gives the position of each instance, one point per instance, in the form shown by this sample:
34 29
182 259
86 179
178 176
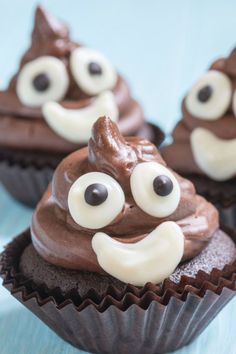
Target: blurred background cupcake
50 105
204 141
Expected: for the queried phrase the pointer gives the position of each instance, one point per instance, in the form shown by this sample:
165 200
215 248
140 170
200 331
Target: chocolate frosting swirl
62 242
179 154
23 127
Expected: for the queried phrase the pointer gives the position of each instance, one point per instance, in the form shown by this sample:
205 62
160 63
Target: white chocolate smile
215 156
152 259
75 124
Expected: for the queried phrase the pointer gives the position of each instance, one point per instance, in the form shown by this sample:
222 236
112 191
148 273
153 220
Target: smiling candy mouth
152 259
75 124
215 156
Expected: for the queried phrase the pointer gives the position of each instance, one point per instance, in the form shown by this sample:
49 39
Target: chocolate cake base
220 251
26 174
33 267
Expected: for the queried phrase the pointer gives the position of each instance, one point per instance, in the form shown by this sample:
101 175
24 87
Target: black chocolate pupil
204 94
162 185
95 194
41 82
94 68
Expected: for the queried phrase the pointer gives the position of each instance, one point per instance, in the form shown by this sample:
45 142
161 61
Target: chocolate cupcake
204 140
49 108
122 254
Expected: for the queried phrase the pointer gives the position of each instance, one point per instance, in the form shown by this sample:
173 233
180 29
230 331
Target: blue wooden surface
162 47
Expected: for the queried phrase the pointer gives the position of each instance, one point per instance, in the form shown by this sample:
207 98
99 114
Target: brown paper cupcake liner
25 183
216 192
155 134
26 175
221 194
153 319
227 214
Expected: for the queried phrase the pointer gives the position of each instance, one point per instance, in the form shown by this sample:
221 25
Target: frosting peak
49 37
128 209
50 25
109 152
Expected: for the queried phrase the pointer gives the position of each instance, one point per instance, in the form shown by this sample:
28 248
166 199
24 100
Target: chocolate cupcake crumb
219 252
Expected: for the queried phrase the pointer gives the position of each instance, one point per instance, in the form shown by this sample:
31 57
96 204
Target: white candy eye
92 71
210 97
42 80
155 189
95 199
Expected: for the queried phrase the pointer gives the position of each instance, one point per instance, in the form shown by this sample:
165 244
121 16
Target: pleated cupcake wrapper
223 193
158 135
227 214
158 329
25 183
154 319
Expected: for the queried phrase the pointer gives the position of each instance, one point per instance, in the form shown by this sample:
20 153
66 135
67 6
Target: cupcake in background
51 103
204 140
123 255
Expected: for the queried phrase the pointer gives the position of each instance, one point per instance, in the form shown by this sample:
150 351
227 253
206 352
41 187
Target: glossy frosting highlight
62 242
